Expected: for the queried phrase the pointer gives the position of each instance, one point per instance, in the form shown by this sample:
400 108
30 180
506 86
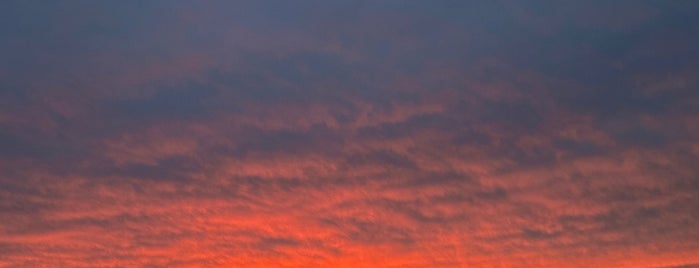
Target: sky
349 133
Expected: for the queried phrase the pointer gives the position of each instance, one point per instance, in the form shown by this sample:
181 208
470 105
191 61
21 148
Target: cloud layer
349 134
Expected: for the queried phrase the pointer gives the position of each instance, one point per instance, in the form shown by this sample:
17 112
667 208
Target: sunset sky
304 133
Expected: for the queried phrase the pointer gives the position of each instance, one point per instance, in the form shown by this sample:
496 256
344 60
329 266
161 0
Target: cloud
393 134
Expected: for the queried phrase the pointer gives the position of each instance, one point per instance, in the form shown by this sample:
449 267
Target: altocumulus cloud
349 134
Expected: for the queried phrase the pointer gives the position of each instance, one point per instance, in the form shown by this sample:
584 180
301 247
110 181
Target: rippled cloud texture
349 134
